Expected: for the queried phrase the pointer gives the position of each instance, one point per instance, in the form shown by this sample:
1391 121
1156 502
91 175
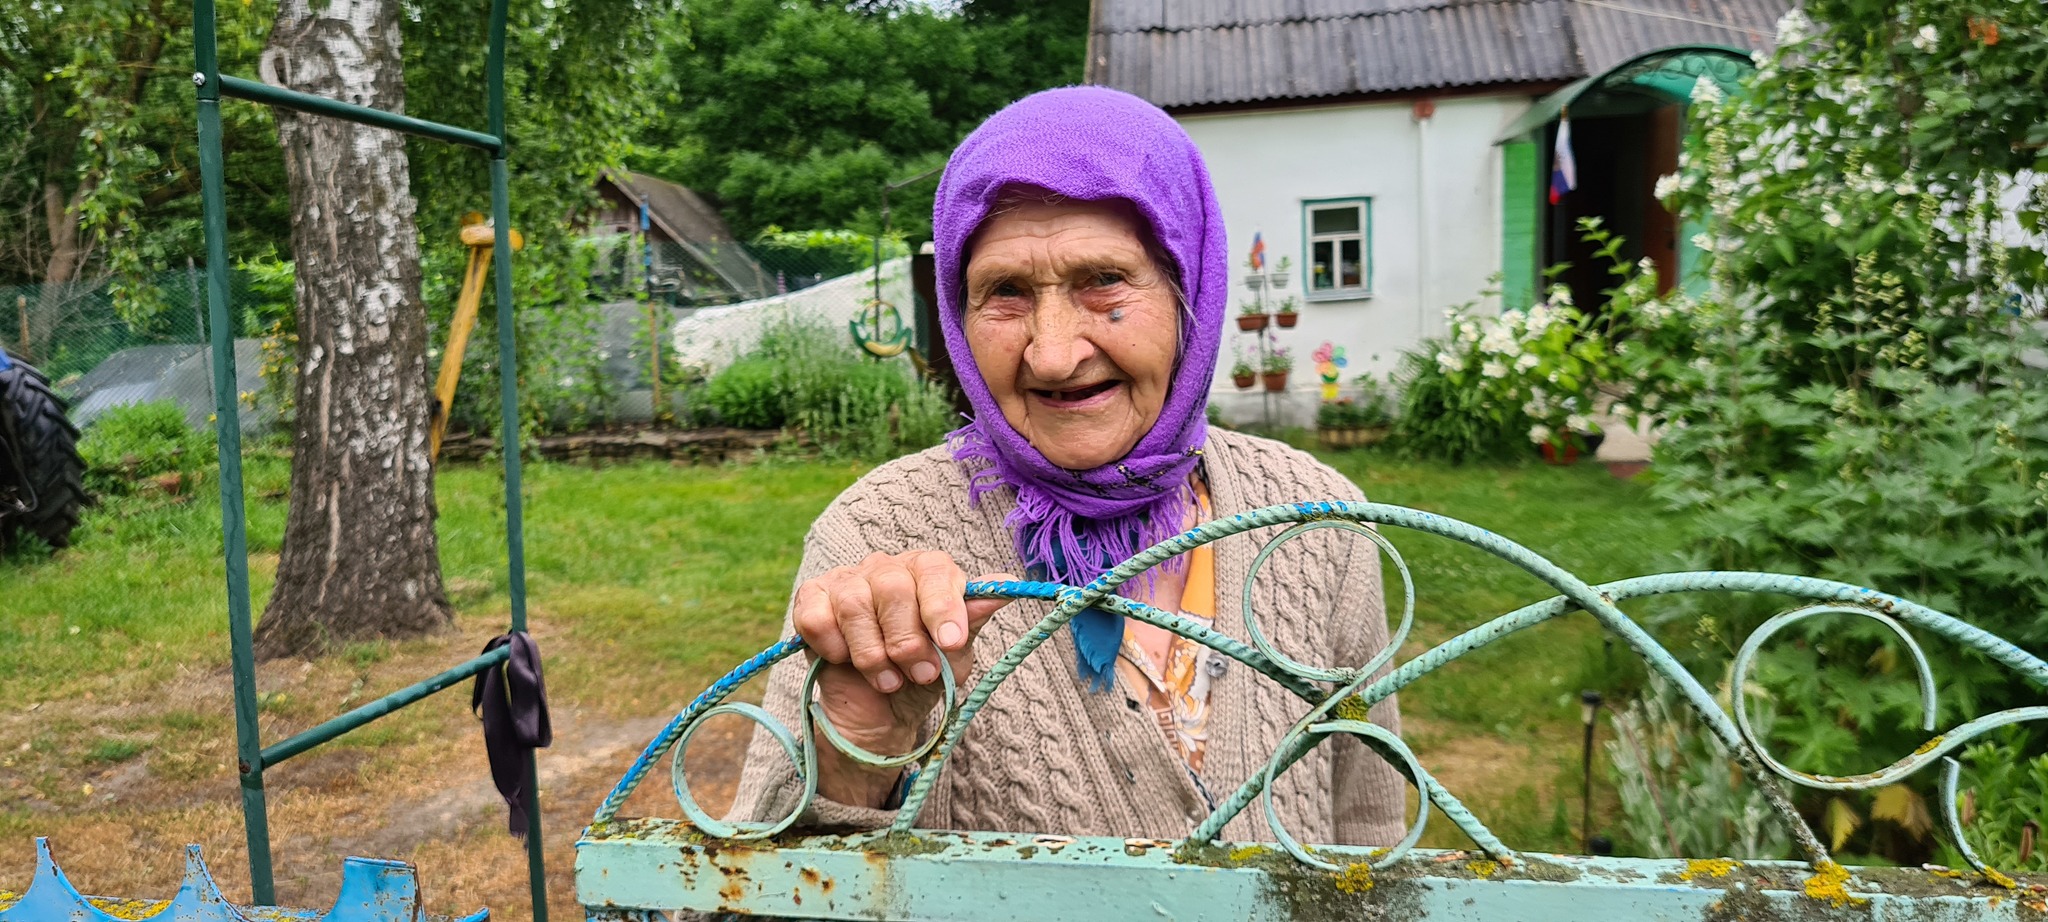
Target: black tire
38 451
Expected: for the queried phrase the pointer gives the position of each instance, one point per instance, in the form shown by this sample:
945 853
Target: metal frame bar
298 743
239 88
252 756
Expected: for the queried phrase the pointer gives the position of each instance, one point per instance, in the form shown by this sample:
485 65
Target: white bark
359 556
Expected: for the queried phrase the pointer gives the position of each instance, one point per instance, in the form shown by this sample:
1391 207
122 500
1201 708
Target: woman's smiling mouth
1079 397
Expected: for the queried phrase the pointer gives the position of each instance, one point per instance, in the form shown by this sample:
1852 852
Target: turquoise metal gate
630 868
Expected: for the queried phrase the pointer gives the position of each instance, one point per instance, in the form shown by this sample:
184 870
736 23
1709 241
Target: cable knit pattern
1047 756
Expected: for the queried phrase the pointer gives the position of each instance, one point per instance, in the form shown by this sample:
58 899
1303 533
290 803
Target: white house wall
1435 188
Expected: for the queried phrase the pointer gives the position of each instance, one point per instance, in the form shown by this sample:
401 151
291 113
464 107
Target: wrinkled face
1074 327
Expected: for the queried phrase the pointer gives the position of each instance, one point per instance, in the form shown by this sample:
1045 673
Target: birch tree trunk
360 558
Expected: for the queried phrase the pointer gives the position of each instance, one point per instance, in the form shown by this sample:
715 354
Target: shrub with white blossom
1867 409
1498 381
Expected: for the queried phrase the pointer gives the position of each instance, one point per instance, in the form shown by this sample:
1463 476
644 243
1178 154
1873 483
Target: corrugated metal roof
1612 31
1210 52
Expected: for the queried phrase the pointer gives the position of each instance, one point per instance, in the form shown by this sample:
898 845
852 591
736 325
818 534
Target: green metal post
508 422
228 430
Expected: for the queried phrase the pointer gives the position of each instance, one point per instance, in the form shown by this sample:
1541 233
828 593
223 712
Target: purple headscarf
1090 143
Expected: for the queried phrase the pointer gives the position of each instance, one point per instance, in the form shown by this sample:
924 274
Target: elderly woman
1083 280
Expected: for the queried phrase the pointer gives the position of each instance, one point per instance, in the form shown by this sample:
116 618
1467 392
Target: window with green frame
1339 236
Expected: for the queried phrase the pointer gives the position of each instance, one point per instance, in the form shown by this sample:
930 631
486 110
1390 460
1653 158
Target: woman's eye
1006 290
1106 279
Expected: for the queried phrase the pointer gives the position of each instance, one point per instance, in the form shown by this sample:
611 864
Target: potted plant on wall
1251 317
1242 373
1286 314
1278 277
1274 368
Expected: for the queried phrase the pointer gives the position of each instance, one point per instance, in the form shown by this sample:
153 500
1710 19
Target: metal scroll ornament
1338 697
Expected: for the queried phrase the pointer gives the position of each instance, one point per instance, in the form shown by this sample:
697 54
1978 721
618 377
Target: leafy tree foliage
97 146
796 114
96 100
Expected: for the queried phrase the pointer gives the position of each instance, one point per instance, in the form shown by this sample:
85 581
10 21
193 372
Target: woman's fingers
891 616
815 622
895 592
853 604
940 585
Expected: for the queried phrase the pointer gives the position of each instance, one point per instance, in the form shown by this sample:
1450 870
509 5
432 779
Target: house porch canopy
1640 84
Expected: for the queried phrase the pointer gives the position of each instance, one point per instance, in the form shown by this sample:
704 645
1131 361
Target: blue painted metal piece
371 891
636 868
692 867
5 362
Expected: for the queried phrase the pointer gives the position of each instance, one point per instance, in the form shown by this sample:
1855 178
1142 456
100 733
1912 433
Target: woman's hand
881 627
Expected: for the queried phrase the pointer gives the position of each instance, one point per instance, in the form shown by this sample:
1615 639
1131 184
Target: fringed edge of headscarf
1076 551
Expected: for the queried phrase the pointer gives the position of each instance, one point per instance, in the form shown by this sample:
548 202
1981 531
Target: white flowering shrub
1865 407
1499 381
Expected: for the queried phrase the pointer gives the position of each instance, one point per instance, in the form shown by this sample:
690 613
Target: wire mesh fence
68 328
100 352
617 348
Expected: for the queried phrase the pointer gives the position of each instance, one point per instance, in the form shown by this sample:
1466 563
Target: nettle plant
1863 408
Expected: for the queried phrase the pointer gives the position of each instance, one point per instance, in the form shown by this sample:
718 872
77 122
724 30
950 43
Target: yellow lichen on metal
2000 879
129 909
1829 883
1352 708
1928 746
1354 879
1482 868
1244 853
1708 867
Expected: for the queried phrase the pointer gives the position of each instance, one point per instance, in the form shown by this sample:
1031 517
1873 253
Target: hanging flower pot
1251 322
1287 319
1255 281
1244 380
1277 278
1275 380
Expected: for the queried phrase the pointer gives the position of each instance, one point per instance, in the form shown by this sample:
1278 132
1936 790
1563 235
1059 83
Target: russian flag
1564 171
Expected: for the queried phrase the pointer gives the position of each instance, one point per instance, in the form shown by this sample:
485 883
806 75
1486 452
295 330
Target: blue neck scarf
1098 634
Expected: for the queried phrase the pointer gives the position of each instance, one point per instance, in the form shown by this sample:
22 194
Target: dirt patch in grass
1524 789
414 786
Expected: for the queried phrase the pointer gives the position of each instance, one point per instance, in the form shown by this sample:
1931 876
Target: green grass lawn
649 580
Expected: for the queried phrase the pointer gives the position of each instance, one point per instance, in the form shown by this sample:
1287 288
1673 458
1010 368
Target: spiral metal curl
1357 685
1937 747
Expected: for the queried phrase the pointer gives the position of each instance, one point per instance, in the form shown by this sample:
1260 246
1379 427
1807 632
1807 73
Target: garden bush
1499 381
1863 410
749 394
805 377
127 447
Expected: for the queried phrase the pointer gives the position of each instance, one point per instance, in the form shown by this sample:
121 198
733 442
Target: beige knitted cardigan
1045 755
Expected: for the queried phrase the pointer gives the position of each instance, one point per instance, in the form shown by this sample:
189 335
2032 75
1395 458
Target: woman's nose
1059 340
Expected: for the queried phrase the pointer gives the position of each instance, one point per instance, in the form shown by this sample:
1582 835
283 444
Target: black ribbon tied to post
513 703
